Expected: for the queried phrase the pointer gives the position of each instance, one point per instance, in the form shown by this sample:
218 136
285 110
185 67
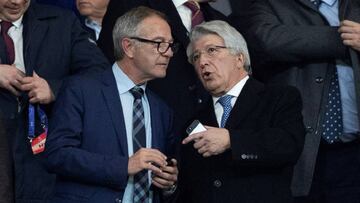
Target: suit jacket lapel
208 115
33 33
247 100
155 124
177 27
111 97
308 4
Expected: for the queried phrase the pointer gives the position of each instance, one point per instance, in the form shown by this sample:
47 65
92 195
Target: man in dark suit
312 46
42 46
254 133
95 147
180 89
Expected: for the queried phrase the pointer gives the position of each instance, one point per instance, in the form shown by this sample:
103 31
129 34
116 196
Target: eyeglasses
210 51
162 47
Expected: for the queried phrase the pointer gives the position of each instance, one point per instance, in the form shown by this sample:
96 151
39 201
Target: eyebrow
163 39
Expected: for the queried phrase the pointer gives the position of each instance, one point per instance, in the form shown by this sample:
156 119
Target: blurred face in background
12 10
93 9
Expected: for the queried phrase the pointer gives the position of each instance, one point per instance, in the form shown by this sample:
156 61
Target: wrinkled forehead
205 41
155 27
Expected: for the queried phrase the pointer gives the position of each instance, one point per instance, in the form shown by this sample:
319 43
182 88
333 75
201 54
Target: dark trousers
337 175
6 164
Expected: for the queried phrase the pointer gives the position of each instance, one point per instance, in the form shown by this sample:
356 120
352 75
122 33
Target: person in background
111 137
92 12
253 135
40 46
314 46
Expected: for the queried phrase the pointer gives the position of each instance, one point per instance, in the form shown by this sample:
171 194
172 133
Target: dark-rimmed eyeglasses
162 47
209 51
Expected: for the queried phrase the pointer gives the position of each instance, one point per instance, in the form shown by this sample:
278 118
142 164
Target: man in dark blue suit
42 46
97 146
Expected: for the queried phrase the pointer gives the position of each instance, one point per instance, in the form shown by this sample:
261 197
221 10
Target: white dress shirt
15 32
124 84
235 92
184 12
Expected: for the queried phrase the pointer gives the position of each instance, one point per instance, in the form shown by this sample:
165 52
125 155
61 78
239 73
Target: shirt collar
178 3
123 82
234 91
329 2
18 22
91 23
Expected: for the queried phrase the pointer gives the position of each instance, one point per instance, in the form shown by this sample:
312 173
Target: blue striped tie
141 183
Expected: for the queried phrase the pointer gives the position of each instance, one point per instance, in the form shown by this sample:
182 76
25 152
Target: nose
168 53
203 60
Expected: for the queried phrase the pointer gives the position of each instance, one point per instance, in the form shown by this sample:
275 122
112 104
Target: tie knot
193 6
137 92
5 26
225 100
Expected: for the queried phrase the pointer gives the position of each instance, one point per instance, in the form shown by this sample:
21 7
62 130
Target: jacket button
319 80
309 129
200 101
118 200
217 183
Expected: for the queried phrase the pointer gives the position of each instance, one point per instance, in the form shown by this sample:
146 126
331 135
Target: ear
240 61
128 47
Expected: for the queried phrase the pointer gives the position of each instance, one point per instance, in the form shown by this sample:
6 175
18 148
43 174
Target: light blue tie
225 102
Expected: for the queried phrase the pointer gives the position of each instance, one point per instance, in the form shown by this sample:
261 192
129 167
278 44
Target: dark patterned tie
141 182
10 51
332 126
225 102
197 16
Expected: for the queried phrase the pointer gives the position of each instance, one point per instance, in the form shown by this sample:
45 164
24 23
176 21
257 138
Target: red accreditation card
38 143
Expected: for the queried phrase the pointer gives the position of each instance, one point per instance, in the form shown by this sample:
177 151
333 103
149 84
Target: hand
211 142
39 89
145 158
350 33
167 177
10 78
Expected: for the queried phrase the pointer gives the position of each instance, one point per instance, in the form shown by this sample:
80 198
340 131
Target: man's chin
12 17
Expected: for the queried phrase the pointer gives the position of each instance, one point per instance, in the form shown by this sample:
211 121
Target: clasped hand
350 33
164 175
15 81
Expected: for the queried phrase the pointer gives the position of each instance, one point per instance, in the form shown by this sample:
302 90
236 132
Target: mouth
84 4
162 64
206 75
13 10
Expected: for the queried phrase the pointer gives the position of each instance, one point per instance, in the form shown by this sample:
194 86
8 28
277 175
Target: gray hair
233 40
127 25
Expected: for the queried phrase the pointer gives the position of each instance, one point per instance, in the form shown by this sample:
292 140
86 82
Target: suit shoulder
83 81
281 91
42 11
